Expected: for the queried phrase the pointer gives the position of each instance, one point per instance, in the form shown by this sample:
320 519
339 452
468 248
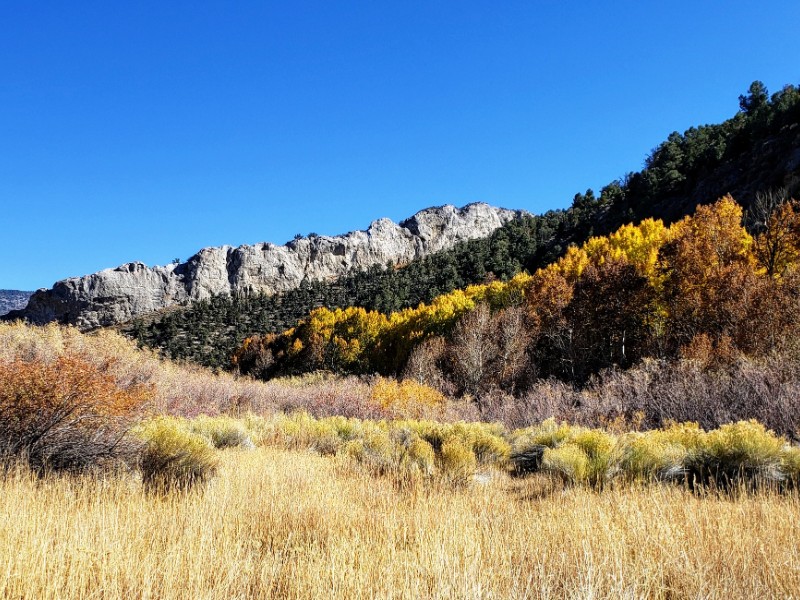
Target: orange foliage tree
709 273
777 247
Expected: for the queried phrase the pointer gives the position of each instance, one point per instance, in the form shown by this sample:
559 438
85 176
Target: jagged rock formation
117 295
13 300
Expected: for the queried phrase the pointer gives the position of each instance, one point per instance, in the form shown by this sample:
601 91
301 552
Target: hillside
757 150
13 300
209 331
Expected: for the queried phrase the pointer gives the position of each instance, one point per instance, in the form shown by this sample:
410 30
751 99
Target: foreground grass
293 524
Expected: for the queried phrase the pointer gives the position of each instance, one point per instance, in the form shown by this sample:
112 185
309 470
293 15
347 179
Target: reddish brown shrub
65 415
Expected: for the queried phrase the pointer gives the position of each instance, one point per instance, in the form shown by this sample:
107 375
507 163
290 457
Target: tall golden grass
292 524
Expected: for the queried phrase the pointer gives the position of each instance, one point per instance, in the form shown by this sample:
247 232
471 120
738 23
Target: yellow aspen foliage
639 244
296 347
503 294
634 244
642 286
572 264
777 248
714 236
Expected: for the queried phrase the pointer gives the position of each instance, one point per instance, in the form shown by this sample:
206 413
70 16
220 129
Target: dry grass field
278 523
308 507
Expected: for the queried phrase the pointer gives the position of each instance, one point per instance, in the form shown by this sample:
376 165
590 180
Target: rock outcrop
13 300
117 295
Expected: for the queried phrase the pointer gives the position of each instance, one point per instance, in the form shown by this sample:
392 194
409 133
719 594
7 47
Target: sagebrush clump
173 457
222 432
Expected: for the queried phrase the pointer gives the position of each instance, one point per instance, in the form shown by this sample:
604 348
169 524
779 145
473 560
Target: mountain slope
208 331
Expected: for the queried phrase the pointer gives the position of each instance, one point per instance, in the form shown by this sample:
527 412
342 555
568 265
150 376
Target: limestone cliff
117 295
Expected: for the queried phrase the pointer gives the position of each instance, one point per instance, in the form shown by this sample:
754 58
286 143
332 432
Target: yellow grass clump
173 457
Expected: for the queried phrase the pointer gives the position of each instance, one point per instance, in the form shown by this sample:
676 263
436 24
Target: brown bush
656 392
543 400
687 390
65 415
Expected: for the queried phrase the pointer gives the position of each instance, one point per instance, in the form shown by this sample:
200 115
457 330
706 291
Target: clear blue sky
147 130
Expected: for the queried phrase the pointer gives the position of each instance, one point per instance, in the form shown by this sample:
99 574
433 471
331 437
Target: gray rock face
13 300
117 295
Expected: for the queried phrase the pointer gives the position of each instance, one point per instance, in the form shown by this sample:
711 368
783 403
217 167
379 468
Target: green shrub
430 431
322 436
375 452
599 448
346 429
567 461
421 456
736 453
576 454
548 433
649 456
485 440
292 431
415 455
353 449
790 465
174 458
687 435
222 432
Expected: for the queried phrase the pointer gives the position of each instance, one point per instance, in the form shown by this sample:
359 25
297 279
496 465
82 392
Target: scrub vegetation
244 503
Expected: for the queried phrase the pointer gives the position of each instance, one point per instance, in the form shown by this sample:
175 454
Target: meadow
269 495
279 523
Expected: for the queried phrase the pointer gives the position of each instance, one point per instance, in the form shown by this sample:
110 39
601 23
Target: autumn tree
608 318
771 323
473 349
708 272
549 295
488 350
256 356
515 333
427 364
776 220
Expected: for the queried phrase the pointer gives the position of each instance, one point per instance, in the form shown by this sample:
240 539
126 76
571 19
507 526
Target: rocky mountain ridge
13 300
117 295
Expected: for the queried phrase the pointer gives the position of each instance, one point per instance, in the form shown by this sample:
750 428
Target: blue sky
147 130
